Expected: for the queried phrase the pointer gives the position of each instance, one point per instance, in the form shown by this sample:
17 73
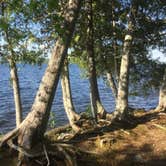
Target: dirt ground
139 141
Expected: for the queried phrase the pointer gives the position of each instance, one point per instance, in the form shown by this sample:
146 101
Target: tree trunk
122 99
162 95
16 91
112 75
13 74
112 84
96 106
32 129
116 69
67 97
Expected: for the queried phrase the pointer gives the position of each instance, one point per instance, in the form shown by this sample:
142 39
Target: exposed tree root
58 130
65 152
75 128
12 134
60 152
160 127
46 154
160 109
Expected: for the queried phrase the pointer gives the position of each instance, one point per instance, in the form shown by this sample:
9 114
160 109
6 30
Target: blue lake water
30 77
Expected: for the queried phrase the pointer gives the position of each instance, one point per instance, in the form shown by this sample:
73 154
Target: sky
157 55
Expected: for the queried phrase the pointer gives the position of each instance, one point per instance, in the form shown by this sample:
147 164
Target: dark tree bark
96 106
112 84
113 75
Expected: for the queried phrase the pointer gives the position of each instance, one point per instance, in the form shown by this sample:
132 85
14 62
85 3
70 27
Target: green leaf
3 25
76 39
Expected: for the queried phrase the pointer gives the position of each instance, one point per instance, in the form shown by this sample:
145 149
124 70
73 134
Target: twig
68 158
19 149
39 162
159 126
58 130
126 132
46 154
78 149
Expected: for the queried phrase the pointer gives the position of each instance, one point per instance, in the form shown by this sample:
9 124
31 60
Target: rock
105 142
138 158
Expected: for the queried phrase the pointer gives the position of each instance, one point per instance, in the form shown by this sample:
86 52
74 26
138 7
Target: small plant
88 111
52 120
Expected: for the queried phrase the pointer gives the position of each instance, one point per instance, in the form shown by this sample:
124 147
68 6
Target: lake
30 76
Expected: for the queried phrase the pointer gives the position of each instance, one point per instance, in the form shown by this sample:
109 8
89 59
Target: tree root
69 160
58 130
65 152
159 126
160 108
12 134
46 154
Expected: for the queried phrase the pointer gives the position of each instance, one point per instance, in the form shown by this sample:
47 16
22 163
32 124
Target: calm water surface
30 77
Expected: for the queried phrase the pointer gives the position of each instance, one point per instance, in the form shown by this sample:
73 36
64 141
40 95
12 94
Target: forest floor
140 141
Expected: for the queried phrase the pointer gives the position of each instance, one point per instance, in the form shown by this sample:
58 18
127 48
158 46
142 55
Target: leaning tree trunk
162 95
32 129
16 91
14 78
112 84
113 77
96 106
67 97
116 68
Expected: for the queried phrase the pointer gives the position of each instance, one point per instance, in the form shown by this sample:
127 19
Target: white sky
157 55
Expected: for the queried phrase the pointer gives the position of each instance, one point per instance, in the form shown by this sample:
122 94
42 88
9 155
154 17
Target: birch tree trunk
96 106
122 99
32 129
14 77
16 91
67 97
162 95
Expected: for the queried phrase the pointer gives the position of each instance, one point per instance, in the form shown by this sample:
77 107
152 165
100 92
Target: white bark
67 97
122 98
162 95
16 91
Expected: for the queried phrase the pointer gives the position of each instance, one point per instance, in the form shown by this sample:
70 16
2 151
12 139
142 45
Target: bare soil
138 141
